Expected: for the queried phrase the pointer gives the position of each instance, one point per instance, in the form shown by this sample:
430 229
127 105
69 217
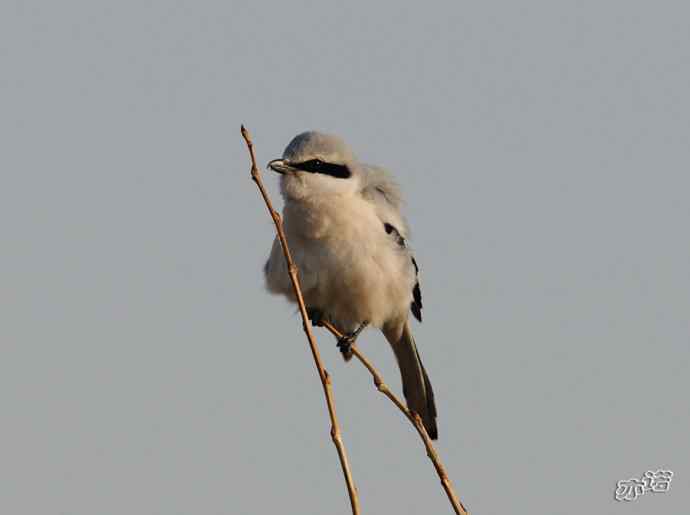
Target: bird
349 241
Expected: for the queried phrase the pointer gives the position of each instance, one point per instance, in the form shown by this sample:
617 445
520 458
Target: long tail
415 381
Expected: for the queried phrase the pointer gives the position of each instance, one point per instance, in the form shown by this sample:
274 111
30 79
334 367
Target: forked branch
412 417
325 378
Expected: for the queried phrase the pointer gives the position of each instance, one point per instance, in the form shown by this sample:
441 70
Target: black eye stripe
318 166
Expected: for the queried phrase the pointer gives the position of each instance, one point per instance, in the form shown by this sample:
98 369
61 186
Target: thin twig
323 375
412 417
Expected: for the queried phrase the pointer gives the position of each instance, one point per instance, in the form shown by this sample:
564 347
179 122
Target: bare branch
323 375
412 417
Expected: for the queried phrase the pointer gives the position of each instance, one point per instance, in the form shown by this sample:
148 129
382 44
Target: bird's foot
345 345
346 341
316 316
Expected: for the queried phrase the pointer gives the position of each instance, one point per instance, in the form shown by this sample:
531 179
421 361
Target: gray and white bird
348 239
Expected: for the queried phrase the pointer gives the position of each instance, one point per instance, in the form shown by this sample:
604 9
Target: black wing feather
416 304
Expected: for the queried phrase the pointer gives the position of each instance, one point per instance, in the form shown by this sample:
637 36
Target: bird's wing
380 188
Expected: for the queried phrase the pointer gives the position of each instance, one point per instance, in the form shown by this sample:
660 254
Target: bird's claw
316 317
345 343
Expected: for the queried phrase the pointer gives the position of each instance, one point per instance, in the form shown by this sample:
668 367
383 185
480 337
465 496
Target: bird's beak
280 166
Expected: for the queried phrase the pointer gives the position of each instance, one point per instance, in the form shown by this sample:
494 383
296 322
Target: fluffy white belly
350 267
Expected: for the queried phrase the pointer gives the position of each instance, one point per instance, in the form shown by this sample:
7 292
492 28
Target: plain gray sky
544 151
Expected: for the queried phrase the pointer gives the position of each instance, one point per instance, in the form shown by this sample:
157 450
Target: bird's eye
317 162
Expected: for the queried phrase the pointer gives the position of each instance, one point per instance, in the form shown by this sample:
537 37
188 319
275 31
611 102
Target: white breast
350 268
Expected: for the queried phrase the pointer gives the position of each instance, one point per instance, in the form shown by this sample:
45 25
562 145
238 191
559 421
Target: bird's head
316 164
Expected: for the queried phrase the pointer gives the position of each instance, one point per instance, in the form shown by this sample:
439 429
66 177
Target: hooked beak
280 166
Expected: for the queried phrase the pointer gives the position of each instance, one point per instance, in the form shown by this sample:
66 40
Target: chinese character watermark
631 489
